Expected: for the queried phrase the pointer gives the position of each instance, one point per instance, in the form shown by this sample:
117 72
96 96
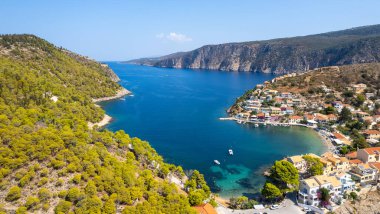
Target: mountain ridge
281 55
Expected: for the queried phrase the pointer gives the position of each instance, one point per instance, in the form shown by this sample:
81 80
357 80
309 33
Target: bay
177 111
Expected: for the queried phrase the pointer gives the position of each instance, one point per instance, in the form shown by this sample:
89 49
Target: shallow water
178 112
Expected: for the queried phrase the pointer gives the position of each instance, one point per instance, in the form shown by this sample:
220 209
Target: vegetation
284 175
242 202
314 165
47 149
270 191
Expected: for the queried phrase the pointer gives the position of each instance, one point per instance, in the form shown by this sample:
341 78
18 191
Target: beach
107 119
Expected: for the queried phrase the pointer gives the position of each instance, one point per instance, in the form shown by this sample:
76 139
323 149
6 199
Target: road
286 207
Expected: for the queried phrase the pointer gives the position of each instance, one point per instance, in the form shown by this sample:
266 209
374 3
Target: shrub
21 210
73 195
63 207
44 194
42 182
31 202
13 194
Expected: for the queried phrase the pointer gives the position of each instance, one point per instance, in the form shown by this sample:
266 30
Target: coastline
120 93
324 140
107 119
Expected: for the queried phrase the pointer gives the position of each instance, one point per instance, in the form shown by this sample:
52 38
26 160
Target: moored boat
217 162
230 152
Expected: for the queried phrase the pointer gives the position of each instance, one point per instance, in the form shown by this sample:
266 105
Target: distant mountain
285 55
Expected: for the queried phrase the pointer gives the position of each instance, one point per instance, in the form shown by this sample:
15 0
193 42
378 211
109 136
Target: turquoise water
178 112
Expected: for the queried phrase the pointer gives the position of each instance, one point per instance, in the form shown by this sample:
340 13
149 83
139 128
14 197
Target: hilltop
51 162
284 55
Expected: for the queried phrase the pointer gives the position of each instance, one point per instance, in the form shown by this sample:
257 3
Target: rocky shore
121 93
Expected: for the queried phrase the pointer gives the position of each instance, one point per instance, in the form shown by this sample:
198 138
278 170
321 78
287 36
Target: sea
177 111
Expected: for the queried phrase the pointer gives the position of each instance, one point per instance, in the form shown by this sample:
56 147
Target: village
351 166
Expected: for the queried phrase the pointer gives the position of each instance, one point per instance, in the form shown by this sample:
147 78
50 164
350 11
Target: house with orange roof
332 117
351 155
369 154
372 134
295 119
376 165
205 209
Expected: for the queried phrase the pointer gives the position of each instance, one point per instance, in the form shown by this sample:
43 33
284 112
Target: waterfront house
369 154
275 110
298 162
332 117
295 119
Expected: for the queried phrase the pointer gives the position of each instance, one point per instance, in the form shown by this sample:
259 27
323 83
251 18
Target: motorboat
217 162
230 152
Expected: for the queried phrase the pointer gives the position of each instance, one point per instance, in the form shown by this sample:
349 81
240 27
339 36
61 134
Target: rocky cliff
356 45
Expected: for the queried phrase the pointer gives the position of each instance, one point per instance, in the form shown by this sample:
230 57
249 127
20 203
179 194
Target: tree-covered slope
284 55
50 161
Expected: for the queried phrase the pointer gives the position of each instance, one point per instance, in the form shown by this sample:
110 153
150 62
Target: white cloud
175 37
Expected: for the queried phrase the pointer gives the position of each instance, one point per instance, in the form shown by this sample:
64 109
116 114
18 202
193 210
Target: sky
129 29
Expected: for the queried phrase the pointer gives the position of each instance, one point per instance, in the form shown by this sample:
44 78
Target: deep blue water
178 112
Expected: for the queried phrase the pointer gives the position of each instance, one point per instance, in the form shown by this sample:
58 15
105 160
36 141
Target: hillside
311 85
51 162
285 55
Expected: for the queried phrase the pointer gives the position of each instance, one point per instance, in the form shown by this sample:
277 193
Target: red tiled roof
352 155
371 131
205 209
355 161
295 117
375 165
338 135
372 150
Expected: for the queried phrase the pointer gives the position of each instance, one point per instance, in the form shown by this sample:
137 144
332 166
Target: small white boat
230 152
239 121
256 125
217 162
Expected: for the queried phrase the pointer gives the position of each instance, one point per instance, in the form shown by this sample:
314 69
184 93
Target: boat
239 121
256 125
230 152
217 162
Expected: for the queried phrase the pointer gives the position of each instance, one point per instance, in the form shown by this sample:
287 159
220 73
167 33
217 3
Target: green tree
345 115
270 191
196 197
285 175
314 165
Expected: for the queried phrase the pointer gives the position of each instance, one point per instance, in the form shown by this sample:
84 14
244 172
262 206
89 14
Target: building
346 180
369 154
205 209
359 88
309 189
298 162
364 174
338 105
372 134
295 119
334 164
